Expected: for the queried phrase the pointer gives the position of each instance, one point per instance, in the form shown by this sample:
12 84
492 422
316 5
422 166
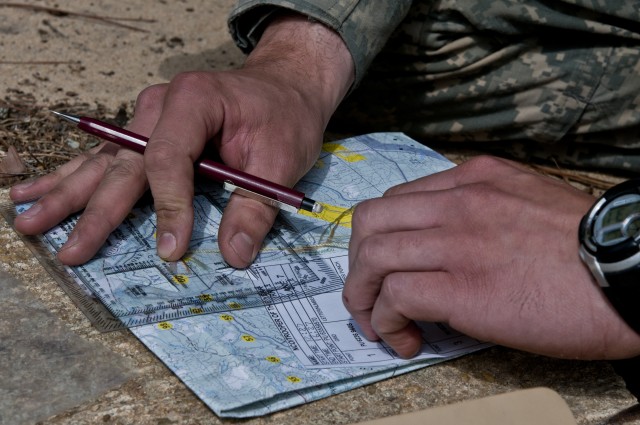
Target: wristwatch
610 246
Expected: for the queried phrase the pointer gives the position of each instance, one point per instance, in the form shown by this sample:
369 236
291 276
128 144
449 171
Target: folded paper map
275 335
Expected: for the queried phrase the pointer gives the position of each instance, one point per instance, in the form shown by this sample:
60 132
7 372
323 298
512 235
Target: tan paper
524 407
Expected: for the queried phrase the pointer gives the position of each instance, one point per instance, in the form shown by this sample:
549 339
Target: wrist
308 57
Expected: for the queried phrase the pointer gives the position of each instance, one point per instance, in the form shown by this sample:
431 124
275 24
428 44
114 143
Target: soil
93 58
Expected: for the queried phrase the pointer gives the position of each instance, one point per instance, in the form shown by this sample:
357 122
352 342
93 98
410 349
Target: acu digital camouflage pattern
552 80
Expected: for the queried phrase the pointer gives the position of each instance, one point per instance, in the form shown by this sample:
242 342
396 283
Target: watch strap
624 294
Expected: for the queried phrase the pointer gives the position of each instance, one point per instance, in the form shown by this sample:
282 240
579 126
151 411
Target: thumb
243 227
245 221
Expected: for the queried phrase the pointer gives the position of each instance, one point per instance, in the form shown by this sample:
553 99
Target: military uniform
535 78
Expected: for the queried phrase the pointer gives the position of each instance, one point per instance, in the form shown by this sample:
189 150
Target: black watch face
618 220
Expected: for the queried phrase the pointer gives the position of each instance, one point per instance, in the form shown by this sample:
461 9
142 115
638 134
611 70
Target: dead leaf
11 167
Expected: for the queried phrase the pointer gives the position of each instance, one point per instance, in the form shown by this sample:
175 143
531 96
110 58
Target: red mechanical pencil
233 180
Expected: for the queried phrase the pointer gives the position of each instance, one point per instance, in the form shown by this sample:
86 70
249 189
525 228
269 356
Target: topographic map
250 342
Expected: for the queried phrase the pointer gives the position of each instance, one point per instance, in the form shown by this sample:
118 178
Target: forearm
365 26
308 55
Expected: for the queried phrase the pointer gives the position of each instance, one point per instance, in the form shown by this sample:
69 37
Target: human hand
266 118
489 248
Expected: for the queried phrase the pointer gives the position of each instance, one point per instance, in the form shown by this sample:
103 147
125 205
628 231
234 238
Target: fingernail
243 246
166 245
31 212
71 241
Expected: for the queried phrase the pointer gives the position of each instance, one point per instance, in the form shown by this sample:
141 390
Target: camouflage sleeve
364 25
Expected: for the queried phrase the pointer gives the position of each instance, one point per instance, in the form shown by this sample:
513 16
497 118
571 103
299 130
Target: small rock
73 144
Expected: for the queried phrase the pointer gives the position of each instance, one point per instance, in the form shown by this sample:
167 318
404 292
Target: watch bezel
610 257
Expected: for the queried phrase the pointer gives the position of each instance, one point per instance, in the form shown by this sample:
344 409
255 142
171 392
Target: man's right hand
266 118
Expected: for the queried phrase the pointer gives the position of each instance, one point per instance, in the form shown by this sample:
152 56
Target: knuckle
173 208
150 99
394 190
485 162
56 175
370 255
380 324
161 154
390 287
362 215
363 254
354 304
485 167
125 168
56 192
263 216
190 82
347 300
190 86
96 163
389 192
99 219
56 199
243 212
392 305
171 200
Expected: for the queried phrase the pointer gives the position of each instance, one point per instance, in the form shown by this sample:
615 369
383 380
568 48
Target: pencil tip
71 118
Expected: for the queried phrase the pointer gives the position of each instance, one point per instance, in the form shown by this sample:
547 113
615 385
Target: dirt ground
93 59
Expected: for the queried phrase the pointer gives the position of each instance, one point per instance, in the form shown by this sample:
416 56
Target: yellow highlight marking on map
273 359
343 153
248 338
293 379
226 317
165 326
181 279
196 310
235 306
205 298
340 216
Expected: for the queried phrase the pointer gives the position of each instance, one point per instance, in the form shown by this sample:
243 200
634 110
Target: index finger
382 255
479 169
400 213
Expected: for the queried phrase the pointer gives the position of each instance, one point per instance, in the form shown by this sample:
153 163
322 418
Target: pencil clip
230 187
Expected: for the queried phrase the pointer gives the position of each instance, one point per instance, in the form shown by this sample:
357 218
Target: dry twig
111 20
39 62
581 177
